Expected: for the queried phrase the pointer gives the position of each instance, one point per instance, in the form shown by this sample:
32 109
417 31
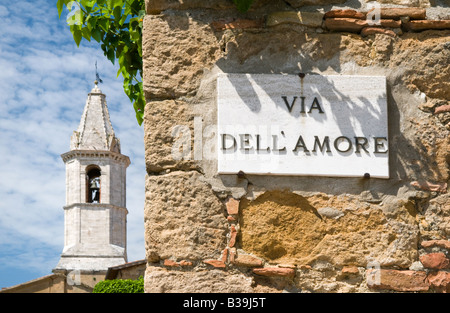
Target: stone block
311 19
408 3
177 49
168 136
302 3
397 280
157 6
183 218
238 24
350 270
282 227
419 25
160 280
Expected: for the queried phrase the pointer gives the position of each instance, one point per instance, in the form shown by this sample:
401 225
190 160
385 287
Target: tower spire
95 130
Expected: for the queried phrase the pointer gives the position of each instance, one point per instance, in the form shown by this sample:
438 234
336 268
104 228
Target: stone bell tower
95 211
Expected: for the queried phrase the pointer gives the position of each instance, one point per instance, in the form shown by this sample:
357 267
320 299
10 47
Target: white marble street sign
316 125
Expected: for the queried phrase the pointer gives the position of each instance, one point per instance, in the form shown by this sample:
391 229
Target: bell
94 184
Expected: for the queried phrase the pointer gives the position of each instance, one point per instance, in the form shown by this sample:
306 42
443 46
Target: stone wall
207 232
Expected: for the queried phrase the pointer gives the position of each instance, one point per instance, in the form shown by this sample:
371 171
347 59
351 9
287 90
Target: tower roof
95 131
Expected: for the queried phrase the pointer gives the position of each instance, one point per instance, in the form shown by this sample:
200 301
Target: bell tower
95 213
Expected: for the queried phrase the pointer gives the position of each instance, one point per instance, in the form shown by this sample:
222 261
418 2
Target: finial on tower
97 76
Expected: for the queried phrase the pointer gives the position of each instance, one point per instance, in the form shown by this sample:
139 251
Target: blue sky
44 82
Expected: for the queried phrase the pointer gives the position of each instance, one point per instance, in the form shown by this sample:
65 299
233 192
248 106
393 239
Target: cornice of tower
99 154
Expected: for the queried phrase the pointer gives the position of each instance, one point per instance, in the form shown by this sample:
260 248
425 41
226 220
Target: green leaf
117 13
110 55
76 32
60 5
96 34
86 33
243 5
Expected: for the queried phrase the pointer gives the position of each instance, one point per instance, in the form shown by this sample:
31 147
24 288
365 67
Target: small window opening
93 185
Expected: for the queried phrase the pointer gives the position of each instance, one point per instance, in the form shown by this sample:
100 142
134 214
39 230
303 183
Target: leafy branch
117 26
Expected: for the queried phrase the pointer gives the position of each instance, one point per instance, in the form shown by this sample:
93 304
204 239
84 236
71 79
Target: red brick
274 272
356 25
427 24
171 263
398 280
237 24
436 243
232 206
442 109
425 185
396 13
436 261
440 281
185 263
345 13
233 234
224 255
377 30
231 219
215 263
247 260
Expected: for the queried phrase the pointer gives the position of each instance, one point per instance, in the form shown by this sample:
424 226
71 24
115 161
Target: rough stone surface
427 24
183 217
311 19
366 31
437 218
177 50
440 281
160 280
328 231
156 6
285 227
237 24
168 136
408 3
301 3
